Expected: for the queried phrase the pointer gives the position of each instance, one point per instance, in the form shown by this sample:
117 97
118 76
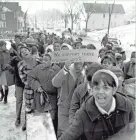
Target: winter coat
42 77
67 85
104 40
14 63
129 70
95 126
80 95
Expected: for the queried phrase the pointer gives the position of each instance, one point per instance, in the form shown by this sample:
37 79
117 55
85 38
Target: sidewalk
8 131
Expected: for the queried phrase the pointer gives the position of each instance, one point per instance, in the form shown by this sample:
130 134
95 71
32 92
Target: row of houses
99 16
11 17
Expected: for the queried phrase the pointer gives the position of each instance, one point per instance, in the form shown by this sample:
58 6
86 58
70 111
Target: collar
93 112
89 89
112 108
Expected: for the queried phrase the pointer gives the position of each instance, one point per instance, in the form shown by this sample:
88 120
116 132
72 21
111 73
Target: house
100 15
11 17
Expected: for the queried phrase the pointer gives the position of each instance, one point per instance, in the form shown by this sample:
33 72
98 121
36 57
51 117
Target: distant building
11 17
99 17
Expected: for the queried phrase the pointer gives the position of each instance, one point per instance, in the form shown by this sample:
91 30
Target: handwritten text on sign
82 55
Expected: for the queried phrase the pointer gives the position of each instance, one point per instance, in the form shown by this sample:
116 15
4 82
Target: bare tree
25 20
87 13
110 10
72 10
65 17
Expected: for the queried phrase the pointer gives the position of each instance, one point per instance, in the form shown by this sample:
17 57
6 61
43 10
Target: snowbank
125 33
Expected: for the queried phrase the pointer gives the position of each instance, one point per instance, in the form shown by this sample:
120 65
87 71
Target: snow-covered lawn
8 131
125 33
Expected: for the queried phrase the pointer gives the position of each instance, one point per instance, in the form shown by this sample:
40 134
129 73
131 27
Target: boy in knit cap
108 61
83 91
105 114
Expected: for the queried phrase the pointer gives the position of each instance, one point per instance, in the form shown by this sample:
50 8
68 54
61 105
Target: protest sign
79 55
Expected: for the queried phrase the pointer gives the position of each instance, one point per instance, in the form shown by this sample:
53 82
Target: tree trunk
65 23
71 22
109 23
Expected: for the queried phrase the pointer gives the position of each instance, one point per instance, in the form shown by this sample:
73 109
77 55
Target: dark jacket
95 126
14 63
42 77
80 95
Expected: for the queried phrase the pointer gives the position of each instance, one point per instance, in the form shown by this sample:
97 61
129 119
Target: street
8 131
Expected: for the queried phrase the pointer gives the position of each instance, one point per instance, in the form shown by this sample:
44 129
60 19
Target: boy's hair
113 60
91 46
111 52
92 69
105 78
2 42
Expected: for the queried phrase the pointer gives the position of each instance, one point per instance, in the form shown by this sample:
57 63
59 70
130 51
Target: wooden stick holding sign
79 55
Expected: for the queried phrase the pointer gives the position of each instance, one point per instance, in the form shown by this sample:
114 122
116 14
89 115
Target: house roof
13 6
103 8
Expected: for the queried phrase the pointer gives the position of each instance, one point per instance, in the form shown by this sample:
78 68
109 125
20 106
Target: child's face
56 47
78 46
119 63
25 53
78 66
101 54
103 94
107 63
47 61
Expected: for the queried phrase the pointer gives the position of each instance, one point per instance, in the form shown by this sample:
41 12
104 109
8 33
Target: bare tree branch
88 13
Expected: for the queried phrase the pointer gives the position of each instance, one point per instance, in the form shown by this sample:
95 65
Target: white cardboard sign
78 55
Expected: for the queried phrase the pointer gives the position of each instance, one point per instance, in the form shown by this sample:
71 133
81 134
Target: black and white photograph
67 69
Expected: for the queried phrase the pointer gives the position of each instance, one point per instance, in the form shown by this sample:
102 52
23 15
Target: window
1 24
4 24
103 15
3 17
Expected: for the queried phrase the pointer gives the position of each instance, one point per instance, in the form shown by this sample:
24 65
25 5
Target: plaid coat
24 69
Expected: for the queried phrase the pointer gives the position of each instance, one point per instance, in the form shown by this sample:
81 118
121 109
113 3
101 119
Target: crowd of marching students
87 101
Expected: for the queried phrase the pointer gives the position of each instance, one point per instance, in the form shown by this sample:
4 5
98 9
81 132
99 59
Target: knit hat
118 49
2 42
91 69
117 71
112 58
91 46
102 49
118 56
65 44
111 52
109 73
30 41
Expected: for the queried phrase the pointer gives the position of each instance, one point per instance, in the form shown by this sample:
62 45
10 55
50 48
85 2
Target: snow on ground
125 33
8 131
39 126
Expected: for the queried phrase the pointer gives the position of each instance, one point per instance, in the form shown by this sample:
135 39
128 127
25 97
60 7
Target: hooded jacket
95 126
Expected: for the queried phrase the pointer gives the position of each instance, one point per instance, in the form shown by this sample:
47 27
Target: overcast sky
36 5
